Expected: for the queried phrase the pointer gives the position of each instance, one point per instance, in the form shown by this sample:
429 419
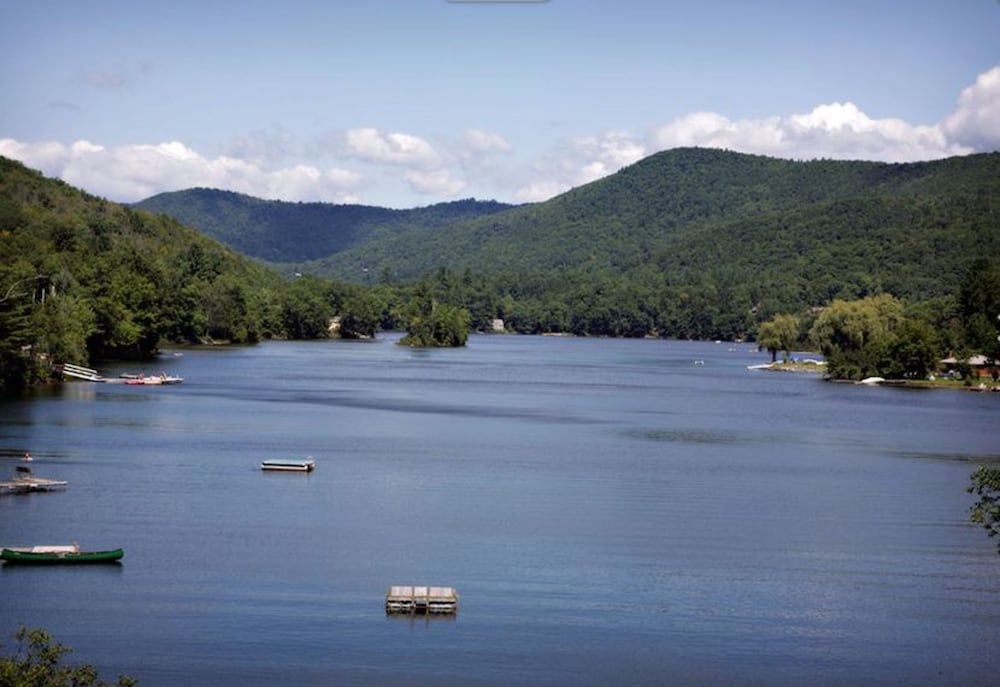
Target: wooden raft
410 599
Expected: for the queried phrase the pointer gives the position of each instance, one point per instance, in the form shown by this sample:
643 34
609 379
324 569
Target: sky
406 103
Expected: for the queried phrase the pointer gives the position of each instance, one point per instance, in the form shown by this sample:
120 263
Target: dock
306 465
28 484
143 379
421 600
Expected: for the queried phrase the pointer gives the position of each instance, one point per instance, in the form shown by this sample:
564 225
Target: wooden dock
421 600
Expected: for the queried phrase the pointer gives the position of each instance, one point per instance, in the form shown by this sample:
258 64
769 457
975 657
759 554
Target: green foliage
84 280
780 333
871 337
361 315
306 309
429 323
847 326
912 353
979 307
282 232
688 243
986 511
37 662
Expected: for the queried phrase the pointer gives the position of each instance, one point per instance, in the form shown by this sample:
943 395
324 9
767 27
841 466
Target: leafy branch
986 511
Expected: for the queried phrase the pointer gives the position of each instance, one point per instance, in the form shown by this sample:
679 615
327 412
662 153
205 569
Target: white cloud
834 130
580 161
269 163
976 122
131 173
839 130
479 141
391 148
435 182
537 191
47 156
263 147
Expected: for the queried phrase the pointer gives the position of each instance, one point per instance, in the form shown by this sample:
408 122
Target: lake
610 511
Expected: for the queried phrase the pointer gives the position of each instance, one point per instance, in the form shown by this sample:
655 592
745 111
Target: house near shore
981 366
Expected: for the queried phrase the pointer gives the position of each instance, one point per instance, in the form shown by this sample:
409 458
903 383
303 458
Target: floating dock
307 465
421 600
29 483
141 379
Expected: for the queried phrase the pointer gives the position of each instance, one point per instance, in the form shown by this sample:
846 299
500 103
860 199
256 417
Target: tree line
83 280
882 336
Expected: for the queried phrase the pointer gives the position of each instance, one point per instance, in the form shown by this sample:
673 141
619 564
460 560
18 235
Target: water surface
610 512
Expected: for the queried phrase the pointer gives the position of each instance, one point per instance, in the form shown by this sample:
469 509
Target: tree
913 353
360 316
854 335
37 663
16 328
429 323
780 333
979 306
986 511
305 309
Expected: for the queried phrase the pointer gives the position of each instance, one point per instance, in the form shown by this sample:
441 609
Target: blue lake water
609 511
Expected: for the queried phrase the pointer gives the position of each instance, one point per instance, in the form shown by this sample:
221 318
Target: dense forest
286 233
856 259
692 243
83 280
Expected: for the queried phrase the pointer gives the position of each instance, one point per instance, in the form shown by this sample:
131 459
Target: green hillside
689 242
83 279
689 211
802 232
282 232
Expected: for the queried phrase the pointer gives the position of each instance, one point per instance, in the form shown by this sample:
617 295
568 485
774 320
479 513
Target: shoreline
818 367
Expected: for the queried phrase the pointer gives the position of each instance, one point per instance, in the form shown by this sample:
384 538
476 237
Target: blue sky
411 102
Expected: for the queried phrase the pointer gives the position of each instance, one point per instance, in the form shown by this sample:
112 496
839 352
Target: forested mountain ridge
697 209
696 219
686 244
284 232
698 243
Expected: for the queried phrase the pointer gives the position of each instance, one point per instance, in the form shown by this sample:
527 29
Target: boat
48 555
306 465
148 380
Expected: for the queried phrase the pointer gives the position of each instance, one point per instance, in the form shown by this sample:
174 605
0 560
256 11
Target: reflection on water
609 512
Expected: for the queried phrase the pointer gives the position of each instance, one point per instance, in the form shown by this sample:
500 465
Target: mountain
283 232
802 232
692 211
689 242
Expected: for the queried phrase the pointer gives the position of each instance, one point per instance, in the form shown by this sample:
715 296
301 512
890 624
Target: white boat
284 464
149 380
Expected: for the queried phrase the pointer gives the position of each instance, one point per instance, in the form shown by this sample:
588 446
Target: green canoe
59 555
